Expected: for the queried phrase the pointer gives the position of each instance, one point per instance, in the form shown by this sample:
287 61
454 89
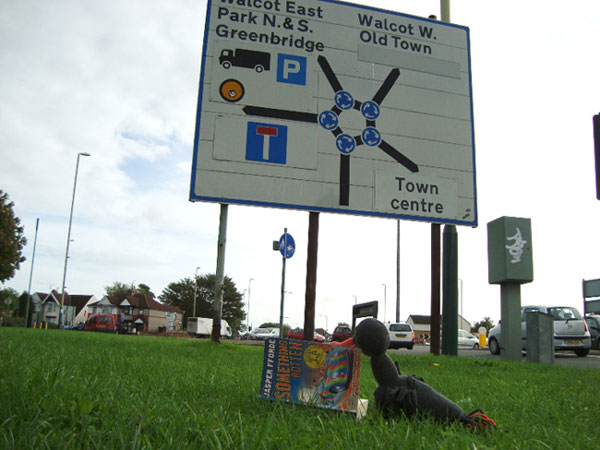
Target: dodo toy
409 395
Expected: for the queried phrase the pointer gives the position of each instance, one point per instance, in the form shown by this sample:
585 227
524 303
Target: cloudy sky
119 80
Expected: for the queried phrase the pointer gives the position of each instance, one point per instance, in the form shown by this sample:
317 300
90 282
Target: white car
401 335
467 340
264 333
570 330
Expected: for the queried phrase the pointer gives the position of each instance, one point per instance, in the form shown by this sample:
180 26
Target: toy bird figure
408 395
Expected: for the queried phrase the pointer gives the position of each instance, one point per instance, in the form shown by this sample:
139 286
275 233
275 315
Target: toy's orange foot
477 420
347 343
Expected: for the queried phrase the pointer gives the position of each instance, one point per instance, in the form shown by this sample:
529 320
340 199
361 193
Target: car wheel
475 346
410 347
598 343
226 64
582 352
259 68
494 347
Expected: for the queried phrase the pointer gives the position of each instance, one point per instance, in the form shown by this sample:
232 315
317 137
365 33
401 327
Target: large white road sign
328 106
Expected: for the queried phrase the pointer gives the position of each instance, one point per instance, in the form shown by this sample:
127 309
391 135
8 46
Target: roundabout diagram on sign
329 120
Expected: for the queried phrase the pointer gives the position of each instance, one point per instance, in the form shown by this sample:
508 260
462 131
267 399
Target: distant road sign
287 246
326 106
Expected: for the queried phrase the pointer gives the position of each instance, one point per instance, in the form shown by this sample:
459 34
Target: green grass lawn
67 389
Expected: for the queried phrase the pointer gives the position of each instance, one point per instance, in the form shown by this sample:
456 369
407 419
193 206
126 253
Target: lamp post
248 306
195 290
62 297
384 301
326 322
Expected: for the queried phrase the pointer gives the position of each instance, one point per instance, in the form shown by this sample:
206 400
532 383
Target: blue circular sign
287 246
328 120
370 110
345 143
371 136
344 100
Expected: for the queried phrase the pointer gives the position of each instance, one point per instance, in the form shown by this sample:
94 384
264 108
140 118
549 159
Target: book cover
311 373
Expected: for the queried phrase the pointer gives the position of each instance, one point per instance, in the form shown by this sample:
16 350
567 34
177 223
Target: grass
66 389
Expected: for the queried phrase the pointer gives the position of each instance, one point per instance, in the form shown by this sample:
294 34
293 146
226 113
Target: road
591 361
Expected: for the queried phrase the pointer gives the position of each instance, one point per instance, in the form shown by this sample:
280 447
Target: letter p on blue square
291 69
266 142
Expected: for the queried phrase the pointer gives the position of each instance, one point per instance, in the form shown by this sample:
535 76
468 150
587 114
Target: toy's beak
347 343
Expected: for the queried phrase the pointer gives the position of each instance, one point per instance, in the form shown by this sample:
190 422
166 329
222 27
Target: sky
119 80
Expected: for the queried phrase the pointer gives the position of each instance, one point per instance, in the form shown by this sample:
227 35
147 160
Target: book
311 373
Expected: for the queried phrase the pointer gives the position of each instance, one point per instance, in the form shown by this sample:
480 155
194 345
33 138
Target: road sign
327 106
287 246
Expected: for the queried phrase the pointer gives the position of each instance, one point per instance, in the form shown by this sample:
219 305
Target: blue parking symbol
266 142
291 69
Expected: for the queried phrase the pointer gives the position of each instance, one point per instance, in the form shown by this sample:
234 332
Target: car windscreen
400 327
564 313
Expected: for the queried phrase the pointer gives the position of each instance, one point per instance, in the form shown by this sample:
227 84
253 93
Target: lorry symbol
250 59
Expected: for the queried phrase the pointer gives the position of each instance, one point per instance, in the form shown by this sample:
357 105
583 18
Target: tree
487 323
12 240
181 294
118 288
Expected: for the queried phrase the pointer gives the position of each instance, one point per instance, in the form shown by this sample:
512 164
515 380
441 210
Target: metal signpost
332 107
287 248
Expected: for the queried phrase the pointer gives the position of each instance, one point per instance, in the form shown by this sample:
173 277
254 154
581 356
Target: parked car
101 322
341 333
401 335
264 333
467 340
593 323
570 330
298 333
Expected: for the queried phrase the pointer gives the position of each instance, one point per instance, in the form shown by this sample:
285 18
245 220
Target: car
570 330
298 333
593 323
106 323
341 333
401 335
467 340
264 333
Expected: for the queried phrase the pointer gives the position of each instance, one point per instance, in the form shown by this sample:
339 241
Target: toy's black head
372 337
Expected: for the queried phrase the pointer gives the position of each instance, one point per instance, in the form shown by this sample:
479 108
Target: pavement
591 361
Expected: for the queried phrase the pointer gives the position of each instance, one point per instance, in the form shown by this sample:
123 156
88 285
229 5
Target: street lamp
195 290
384 301
326 321
62 297
248 313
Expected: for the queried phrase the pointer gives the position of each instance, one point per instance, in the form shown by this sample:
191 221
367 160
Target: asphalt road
560 358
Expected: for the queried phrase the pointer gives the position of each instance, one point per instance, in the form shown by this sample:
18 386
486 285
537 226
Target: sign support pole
282 282
450 290
435 289
219 286
311 275
398 275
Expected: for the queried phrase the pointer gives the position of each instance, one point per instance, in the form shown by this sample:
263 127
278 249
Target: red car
341 333
298 333
101 322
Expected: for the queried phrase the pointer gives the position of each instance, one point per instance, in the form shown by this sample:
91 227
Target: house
46 307
422 325
139 313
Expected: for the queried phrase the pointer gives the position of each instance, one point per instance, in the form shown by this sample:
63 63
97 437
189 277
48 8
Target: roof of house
421 320
144 301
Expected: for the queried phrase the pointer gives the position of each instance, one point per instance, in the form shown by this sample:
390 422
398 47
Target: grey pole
219 286
195 290
282 283
62 297
398 276
37 223
248 317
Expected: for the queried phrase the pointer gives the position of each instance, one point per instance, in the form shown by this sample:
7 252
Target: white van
202 327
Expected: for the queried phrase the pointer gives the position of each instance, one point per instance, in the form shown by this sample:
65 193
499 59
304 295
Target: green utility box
510 258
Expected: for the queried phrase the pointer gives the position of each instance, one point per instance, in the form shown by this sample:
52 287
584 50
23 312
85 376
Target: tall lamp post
248 313
195 290
384 301
62 296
